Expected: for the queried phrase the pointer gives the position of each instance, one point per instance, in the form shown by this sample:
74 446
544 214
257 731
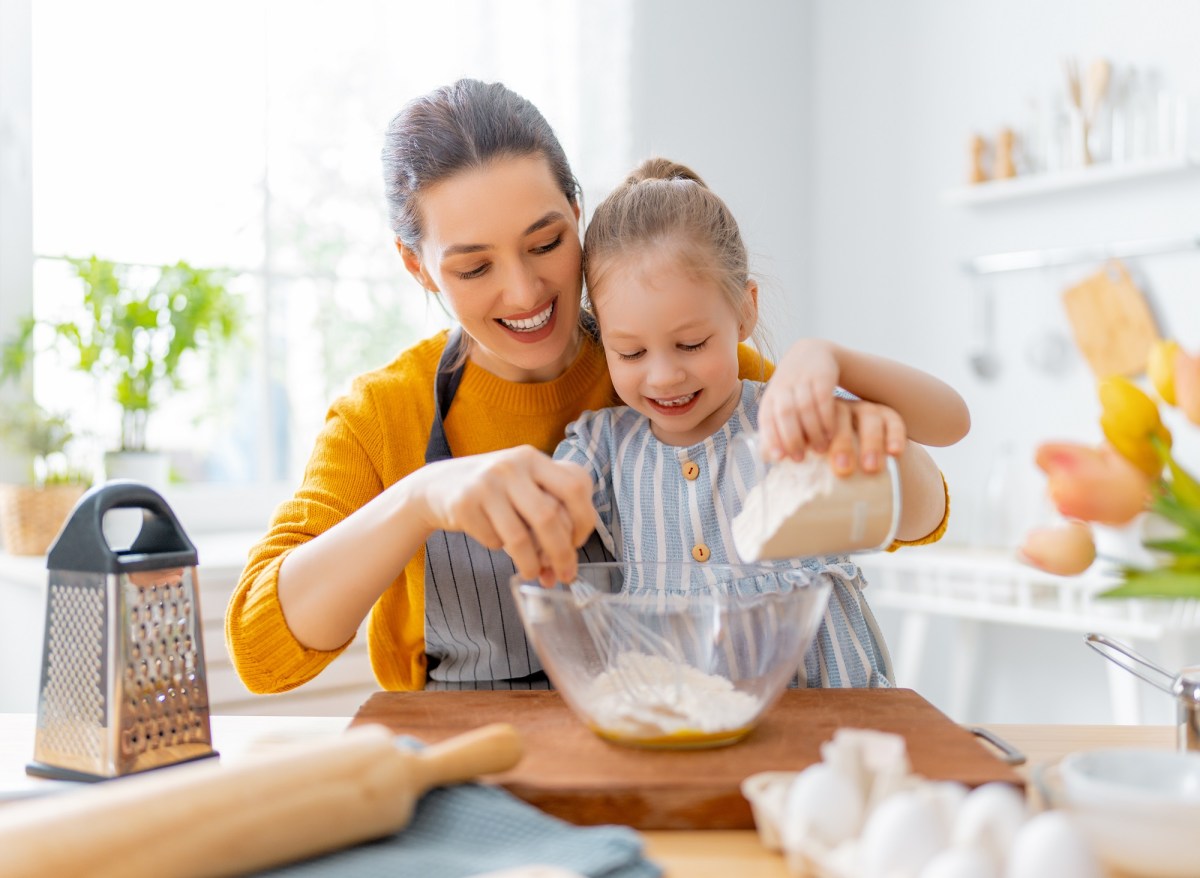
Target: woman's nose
525 287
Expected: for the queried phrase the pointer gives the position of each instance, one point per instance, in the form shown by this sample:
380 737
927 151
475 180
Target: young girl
667 274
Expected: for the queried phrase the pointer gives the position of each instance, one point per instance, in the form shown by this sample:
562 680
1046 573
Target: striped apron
474 638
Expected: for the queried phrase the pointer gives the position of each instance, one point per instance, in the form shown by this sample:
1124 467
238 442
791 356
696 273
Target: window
246 135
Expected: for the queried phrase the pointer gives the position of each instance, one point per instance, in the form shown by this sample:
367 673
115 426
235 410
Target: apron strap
449 375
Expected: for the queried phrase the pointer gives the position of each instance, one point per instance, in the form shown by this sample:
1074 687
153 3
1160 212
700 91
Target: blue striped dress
648 511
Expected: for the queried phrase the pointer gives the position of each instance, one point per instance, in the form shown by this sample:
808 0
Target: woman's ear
749 316
415 267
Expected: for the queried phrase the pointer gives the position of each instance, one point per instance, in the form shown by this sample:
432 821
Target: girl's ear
749 316
415 267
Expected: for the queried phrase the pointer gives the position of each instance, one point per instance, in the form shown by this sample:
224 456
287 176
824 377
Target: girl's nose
664 373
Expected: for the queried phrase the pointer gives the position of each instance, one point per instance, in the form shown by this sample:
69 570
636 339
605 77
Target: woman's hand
536 509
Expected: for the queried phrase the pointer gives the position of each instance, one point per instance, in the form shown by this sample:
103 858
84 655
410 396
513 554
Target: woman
416 511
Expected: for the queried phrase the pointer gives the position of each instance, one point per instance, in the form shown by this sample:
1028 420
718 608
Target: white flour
801 510
650 696
788 486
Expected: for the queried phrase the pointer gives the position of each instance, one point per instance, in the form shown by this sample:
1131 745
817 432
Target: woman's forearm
933 412
328 585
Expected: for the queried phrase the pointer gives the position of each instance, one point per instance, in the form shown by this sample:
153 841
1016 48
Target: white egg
949 796
1051 846
989 818
902 834
961 863
822 804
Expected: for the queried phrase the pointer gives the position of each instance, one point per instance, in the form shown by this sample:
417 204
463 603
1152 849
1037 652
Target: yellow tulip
1187 385
1160 369
1093 484
1065 550
1130 420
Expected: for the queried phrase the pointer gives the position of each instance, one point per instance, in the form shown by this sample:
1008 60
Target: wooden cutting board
569 772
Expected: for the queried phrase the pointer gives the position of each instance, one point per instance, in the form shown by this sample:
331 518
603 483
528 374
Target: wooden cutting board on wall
1111 321
571 773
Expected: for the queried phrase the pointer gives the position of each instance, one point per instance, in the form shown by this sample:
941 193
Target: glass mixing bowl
673 655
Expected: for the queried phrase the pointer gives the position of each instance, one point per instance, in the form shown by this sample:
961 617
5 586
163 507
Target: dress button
701 552
691 469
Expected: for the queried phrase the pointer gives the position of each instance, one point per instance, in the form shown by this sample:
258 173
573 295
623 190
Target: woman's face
501 243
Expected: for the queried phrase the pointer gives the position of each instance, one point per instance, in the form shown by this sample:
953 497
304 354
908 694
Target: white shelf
1062 181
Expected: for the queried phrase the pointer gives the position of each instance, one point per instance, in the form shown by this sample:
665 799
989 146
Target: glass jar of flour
800 509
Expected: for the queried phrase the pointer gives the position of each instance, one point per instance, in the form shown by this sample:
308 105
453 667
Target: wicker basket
30 518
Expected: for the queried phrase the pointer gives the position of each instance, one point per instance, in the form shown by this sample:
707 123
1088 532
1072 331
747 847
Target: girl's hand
797 413
873 429
536 509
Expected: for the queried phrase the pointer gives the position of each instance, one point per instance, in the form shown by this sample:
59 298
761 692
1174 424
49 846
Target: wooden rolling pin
205 819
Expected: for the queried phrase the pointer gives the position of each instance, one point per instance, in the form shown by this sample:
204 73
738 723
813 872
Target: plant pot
30 517
151 468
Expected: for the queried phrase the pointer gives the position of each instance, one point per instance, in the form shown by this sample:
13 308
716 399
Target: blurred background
245 136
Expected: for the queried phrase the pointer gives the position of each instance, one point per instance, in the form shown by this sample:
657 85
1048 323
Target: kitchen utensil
692 656
1111 322
573 774
617 633
123 685
208 819
985 359
801 509
1138 808
1184 686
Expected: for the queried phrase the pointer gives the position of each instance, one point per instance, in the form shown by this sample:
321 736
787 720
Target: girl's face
501 243
671 341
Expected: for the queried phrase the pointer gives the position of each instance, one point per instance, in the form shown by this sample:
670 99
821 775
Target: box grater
123 684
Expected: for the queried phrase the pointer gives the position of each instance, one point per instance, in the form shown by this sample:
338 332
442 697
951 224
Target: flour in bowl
648 696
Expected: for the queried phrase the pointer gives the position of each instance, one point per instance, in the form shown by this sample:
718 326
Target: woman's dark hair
459 126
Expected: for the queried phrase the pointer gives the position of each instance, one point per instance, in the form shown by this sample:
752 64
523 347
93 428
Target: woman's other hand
536 509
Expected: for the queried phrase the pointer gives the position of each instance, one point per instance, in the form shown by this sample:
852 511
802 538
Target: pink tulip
1187 385
1065 550
1093 484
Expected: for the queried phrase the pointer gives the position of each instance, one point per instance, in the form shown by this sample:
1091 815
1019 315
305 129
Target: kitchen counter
682 854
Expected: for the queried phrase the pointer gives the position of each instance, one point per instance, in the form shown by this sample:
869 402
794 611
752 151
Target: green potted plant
132 337
31 514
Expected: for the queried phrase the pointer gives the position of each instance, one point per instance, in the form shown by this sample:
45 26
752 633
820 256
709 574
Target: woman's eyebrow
552 217
540 223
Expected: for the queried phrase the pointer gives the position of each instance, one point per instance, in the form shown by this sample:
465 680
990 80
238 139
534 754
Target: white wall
897 90
833 127
725 89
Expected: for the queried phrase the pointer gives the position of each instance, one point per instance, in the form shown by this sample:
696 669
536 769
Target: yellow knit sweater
373 437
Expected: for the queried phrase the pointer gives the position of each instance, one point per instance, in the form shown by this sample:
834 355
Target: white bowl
1139 808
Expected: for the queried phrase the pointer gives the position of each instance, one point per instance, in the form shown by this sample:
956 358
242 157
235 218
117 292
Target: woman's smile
533 325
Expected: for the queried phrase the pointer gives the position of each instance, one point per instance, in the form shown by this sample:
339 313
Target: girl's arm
798 411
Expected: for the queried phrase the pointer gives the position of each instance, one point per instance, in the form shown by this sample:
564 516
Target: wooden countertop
708 854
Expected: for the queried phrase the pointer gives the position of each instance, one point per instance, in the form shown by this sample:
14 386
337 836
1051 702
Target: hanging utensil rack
1026 260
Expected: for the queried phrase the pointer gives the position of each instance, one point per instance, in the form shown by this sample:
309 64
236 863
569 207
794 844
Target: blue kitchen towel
471 828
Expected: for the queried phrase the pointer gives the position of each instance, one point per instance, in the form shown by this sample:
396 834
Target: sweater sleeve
339 479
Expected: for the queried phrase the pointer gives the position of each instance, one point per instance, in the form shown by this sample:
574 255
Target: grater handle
81 544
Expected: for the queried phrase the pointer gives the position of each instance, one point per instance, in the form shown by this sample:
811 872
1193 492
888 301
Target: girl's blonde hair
666 204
